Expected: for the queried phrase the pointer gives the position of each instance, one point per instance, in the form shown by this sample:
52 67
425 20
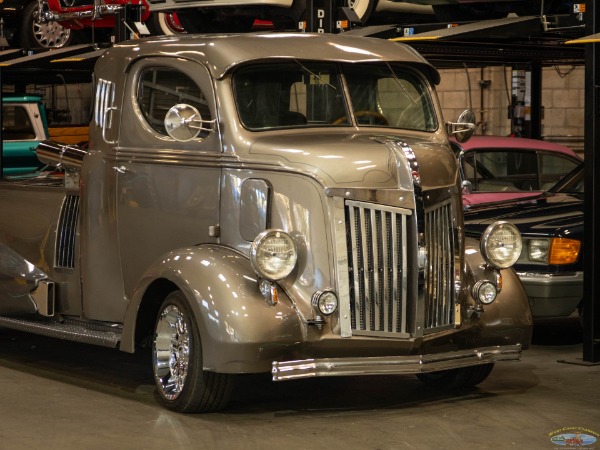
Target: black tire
465 377
467 13
181 383
166 24
363 8
35 34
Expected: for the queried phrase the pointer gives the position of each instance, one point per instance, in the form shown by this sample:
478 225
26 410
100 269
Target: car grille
439 271
378 242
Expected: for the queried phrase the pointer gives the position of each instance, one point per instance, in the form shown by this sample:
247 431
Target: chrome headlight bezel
484 292
501 244
273 254
325 302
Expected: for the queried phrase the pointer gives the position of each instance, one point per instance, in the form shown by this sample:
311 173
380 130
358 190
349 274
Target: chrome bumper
392 365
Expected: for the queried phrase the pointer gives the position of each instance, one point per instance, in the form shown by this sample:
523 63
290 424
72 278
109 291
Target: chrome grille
439 272
377 266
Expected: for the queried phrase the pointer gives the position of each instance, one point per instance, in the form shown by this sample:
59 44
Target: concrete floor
61 395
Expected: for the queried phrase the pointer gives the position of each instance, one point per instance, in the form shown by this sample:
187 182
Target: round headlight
501 244
485 291
325 302
273 254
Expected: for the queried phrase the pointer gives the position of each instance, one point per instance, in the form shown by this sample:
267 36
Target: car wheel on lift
362 8
164 24
457 378
35 34
182 384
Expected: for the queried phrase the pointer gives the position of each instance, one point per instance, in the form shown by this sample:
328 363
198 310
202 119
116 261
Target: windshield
572 183
308 94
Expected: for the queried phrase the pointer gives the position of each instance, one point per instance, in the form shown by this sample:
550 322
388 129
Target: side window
16 125
161 88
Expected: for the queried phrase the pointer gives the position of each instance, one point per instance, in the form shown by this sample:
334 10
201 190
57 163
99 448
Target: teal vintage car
24 125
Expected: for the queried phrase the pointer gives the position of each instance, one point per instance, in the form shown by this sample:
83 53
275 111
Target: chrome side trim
392 365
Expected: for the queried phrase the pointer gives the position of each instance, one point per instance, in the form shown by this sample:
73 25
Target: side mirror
466 187
464 127
184 122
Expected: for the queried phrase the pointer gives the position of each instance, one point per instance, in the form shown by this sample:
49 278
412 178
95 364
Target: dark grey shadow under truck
262 203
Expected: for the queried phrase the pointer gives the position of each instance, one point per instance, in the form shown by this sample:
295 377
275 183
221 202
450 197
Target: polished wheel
34 33
457 378
181 383
172 352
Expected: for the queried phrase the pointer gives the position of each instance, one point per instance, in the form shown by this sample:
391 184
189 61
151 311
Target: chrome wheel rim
171 352
50 34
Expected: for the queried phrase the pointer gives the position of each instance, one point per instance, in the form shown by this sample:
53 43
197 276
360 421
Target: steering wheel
365 113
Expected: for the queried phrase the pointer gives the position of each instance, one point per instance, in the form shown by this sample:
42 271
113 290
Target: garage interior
65 395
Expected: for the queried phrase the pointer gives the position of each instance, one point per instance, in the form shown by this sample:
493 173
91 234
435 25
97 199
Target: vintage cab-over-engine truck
264 202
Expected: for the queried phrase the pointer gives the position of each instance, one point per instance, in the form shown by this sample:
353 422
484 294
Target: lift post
324 16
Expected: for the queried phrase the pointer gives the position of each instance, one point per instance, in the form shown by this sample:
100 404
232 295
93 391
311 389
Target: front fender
240 332
510 314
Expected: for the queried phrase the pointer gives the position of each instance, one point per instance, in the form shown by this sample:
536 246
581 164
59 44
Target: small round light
485 292
273 254
325 302
501 244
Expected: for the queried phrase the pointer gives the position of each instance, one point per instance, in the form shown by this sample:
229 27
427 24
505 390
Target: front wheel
457 378
182 384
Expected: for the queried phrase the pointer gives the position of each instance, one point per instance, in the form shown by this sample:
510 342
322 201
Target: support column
591 284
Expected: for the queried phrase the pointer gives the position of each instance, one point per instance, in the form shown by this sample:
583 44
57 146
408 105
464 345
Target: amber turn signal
563 251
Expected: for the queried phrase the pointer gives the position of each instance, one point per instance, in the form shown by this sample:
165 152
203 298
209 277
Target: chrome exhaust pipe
60 155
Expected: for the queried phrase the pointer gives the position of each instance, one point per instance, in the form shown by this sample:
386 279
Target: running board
102 335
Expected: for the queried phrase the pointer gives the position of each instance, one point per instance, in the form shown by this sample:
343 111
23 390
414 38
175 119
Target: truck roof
221 52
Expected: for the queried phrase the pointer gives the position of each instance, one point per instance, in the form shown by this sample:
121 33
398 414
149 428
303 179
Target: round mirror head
183 122
466 117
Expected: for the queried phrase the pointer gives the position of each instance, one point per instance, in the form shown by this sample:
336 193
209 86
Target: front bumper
393 365
553 295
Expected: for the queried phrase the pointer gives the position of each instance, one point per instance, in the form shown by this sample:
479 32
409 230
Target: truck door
167 194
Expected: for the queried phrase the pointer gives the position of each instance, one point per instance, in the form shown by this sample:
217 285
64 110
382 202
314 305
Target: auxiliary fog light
325 302
485 291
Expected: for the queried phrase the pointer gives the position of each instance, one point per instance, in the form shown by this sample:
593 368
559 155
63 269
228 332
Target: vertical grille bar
378 267
66 233
439 238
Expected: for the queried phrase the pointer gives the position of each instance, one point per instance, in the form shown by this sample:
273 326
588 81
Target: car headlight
273 254
554 251
501 244
537 250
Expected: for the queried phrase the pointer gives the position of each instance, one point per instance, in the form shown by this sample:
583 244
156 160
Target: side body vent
66 233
